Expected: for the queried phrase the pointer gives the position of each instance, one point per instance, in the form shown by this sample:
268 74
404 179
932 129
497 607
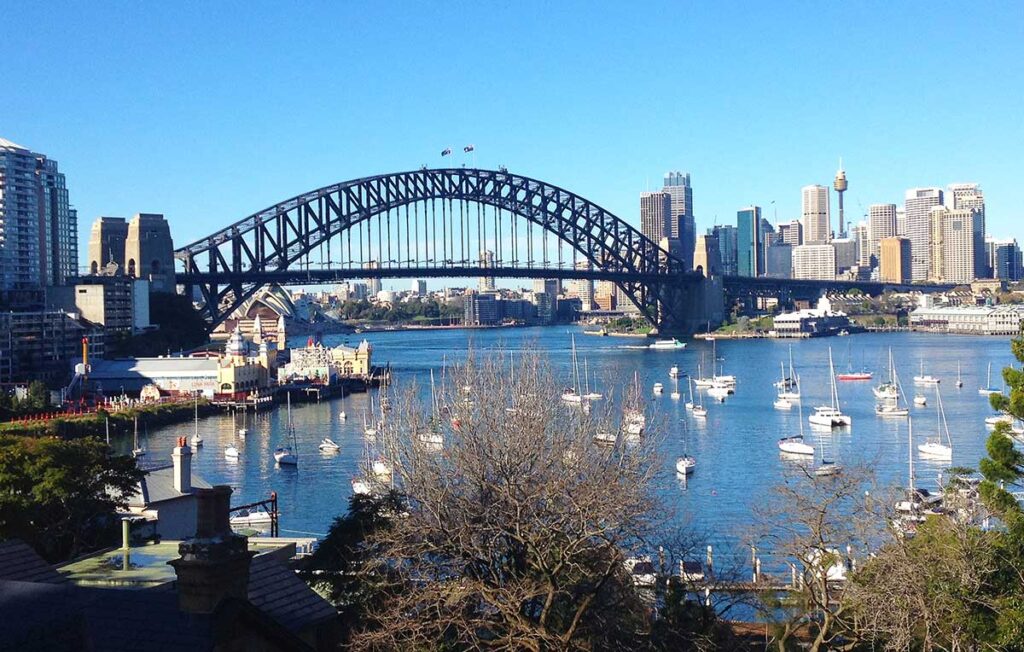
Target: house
165 497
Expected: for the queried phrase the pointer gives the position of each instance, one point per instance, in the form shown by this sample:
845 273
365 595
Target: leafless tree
517 522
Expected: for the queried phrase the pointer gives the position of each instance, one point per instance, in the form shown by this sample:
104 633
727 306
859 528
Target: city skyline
238 162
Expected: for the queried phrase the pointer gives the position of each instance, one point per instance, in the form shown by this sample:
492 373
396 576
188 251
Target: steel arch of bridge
269 246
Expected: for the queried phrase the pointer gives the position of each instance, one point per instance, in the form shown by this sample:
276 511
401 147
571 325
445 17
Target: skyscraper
917 203
791 233
584 288
1004 258
951 243
881 225
40 229
486 283
749 242
655 210
894 260
862 236
815 214
968 196
727 238
814 261
682 225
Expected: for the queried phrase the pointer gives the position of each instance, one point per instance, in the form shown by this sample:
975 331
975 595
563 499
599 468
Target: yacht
328 445
685 464
920 400
855 375
573 394
667 344
939 447
996 419
380 468
675 389
587 394
642 571
830 415
231 452
288 455
782 404
689 403
361 487
700 381
925 379
795 446
917 501
673 372
988 389
197 440
137 450
890 392
699 411
789 386
658 388
246 519
342 415
719 392
633 422
604 437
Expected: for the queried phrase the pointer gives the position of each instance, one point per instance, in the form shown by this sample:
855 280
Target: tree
517 526
60 496
808 521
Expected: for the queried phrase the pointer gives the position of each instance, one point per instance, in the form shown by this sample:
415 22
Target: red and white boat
855 375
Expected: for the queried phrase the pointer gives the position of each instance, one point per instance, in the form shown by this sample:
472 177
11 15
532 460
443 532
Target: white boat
431 438
658 388
917 501
718 393
939 447
891 409
247 519
573 395
288 455
830 415
782 404
242 432
633 422
890 406
959 380
380 468
886 391
827 468
642 571
197 440
667 344
328 445
231 452
675 389
789 386
604 437
720 379
587 394
342 415
700 412
685 465
361 487
925 379
988 389
570 395
920 400
700 381
996 419
689 385
137 450
673 372
785 385
795 446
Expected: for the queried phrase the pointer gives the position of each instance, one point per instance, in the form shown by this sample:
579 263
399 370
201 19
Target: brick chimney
214 564
181 455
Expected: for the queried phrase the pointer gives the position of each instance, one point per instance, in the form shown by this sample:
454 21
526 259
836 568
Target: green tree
60 496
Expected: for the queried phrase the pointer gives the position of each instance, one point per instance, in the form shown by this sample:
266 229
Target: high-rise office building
894 260
682 226
1004 259
778 260
815 214
901 221
486 283
39 228
814 261
968 196
655 211
727 238
419 288
881 225
917 203
791 233
936 245
861 234
372 284
583 288
952 239
846 253
749 242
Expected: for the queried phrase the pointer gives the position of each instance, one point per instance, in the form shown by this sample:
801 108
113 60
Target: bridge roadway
764 286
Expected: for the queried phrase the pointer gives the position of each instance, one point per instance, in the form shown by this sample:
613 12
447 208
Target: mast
832 375
586 375
575 367
136 421
910 449
196 433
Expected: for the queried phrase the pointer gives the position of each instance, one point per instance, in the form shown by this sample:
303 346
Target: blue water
737 457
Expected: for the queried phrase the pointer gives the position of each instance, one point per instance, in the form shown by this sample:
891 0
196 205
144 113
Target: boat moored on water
662 345
925 379
795 446
855 375
658 388
830 415
685 465
782 404
328 445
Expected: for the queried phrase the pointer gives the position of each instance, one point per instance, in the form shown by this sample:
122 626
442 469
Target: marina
735 441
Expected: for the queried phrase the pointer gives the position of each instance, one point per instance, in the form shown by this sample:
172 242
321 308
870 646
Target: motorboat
604 437
661 345
231 452
642 571
328 445
719 393
830 415
633 422
658 388
855 375
920 400
673 372
675 389
925 379
685 465
251 519
782 404
988 389
795 446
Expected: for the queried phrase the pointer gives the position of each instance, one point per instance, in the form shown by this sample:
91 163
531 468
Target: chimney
214 564
182 457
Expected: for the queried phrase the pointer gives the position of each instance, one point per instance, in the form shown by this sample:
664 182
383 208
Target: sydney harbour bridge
458 223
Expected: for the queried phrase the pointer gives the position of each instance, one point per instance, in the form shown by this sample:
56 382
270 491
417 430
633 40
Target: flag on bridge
468 148
446 151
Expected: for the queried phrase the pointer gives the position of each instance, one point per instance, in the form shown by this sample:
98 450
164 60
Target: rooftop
158 485
6 143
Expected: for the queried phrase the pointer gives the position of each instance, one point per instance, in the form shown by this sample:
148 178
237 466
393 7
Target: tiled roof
20 562
158 485
282 595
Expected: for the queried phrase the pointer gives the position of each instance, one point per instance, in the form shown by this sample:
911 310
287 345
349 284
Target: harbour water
736 447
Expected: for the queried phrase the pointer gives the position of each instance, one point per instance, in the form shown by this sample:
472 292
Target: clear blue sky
207 112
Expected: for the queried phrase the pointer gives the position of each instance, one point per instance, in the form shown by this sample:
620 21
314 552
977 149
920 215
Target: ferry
667 344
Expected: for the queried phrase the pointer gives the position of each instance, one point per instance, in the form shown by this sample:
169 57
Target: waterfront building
655 214
149 251
969 320
815 214
682 225
1004 259
316 363
705 256
118 303
749 242
895 263
814 261
820 320
545 307
39 246
881 225
486 283
917 204
107 240
173 376
791 233
246 366
727 238
40 345
480 309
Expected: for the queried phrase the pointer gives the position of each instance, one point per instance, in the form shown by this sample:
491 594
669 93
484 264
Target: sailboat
197 441
137 450
572 394
782 403
934 448
850 374
675 388
830 415
633 418
890 404
795 445
722 379
959 380
916 500
988 389
925 379
243 431
231 452
288 455
587 394
673 372
789 386
699 411
328 445
432 437
686 463
700 381
369 427
689 384
888 390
